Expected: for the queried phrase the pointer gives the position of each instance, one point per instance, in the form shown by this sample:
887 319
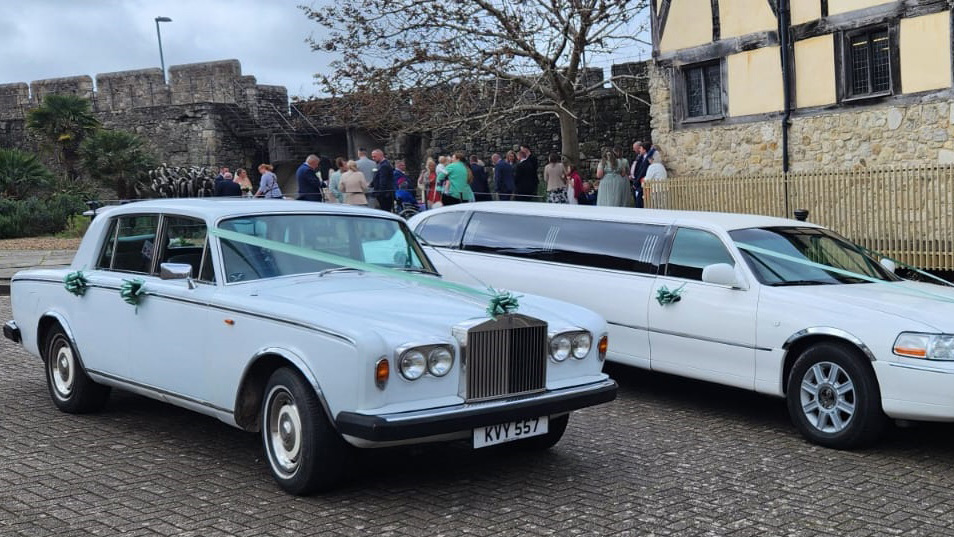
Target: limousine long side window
131 244
598 244
442 229
692 250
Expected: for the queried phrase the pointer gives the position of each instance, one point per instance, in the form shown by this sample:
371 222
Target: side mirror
889 264
720 274
176 271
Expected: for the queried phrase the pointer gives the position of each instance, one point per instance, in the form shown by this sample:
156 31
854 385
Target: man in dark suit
309 182
638 170
479 185
226 187
503 178
383 182
526 178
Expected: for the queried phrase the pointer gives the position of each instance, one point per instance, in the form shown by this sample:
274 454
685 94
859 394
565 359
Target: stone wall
877 135
209 113
608 118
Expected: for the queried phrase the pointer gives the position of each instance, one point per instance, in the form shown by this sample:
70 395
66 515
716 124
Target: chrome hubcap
63 371
828 397
283 433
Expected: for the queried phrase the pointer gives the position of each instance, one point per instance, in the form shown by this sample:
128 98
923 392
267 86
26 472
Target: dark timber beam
866 17
716 30
721 48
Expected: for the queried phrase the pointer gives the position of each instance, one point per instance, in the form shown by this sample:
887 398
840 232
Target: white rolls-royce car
320 326
778 306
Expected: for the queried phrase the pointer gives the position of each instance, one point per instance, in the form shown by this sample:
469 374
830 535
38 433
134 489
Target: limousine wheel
546 441
70 388
304 451
833 398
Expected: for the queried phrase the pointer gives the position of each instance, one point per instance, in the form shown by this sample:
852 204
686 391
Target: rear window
442 229
599 244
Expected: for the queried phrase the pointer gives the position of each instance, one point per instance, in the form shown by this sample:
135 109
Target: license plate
508 432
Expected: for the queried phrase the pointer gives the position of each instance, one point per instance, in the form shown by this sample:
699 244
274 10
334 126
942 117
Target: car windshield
813 245
378 241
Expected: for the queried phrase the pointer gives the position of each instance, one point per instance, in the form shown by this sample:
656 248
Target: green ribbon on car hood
500 302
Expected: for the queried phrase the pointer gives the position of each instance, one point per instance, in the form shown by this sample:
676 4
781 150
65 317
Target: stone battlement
207 82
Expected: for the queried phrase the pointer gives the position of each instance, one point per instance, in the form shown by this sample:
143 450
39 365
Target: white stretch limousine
778 306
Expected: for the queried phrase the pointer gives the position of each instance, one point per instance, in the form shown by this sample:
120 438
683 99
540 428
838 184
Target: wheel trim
63 370
828 397
283 432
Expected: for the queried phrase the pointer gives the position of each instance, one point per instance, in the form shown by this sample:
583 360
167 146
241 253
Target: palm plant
62 121
22 174
117 159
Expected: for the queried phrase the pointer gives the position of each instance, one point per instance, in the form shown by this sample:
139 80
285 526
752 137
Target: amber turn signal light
382 371
604 343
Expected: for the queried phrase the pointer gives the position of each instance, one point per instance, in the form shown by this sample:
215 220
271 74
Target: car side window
598 244
694 249
133 244
442 229
184 241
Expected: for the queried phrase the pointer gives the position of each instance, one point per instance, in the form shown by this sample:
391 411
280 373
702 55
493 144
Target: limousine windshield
810 245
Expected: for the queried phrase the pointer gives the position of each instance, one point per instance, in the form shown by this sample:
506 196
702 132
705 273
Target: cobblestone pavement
668 457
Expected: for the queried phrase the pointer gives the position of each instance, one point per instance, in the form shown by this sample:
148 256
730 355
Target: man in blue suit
309 181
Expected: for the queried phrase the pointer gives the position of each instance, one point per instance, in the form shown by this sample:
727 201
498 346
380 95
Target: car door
709 333
171 331
102 322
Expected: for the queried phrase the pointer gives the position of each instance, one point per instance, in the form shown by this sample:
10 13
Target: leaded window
703 90
868 62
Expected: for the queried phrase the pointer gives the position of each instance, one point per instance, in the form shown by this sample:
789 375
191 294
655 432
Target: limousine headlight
566 344
925 346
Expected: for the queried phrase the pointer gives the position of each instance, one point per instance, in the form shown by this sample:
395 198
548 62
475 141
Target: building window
868 62
703 90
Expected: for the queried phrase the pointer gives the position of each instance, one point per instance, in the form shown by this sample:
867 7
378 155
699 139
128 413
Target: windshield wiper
338 269
799 282
419 270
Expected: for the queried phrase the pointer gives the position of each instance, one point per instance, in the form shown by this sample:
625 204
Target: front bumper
12 332
431 422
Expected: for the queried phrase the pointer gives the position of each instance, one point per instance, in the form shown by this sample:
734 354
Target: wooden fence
904 213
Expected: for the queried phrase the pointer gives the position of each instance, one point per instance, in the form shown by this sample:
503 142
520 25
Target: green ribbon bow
132 291
664 296
501 303
76 283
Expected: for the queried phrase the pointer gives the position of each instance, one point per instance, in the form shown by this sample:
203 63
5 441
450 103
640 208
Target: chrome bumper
437 421
12 332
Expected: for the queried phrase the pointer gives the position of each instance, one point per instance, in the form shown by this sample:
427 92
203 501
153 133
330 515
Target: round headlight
581 345
439 361
560 348
412 365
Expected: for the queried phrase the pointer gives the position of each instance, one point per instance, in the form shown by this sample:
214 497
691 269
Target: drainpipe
784 25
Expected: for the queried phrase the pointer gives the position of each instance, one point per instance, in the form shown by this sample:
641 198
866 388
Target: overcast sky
57 38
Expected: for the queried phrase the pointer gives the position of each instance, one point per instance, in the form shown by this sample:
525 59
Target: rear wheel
833 398
304 451
555 430
70 388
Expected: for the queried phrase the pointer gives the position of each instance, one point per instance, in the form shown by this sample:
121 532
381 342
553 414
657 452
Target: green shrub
76 226
34 217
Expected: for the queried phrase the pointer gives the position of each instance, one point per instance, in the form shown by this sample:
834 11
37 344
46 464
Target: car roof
217 208
727 221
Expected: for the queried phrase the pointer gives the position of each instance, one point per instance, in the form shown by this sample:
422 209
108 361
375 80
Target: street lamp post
162 60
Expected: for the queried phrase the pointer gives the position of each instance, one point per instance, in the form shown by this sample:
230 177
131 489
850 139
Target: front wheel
70 388
833 398
304 451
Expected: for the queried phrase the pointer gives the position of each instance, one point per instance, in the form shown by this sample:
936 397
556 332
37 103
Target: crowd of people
458 178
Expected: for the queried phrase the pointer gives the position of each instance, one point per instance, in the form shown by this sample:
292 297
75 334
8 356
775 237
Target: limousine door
709 332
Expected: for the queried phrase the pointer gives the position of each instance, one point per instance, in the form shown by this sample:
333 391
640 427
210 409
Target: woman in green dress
614 187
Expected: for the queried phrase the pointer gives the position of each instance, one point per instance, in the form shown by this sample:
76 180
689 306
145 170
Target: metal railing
905 213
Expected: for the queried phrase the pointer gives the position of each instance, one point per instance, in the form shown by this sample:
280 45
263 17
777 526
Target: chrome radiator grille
507 356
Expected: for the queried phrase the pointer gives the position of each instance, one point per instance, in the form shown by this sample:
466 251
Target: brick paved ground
669 457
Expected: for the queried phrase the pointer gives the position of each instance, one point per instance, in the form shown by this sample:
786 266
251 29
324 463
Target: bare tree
444 63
